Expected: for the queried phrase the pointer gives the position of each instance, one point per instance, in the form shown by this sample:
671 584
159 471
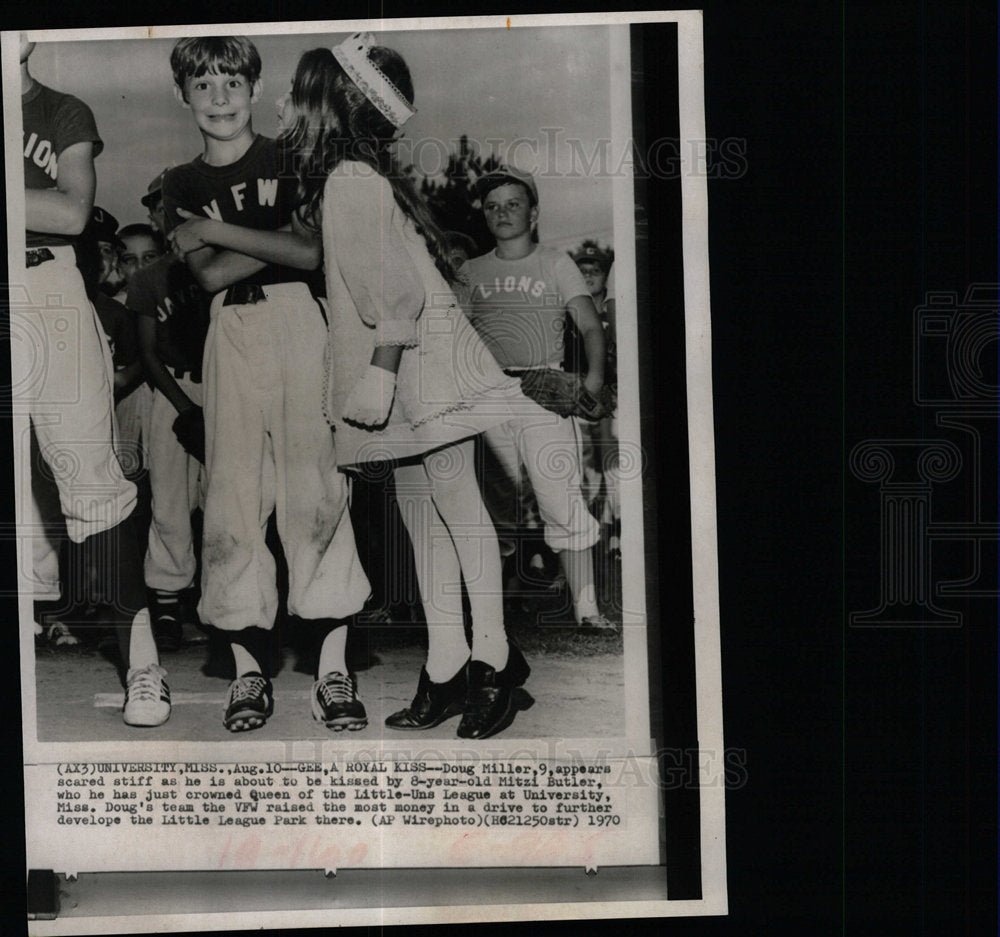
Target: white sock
491 648
579 568
460 505
245 661
332 653
141 646
585 604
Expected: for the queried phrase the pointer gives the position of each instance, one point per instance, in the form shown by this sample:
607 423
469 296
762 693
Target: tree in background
454 201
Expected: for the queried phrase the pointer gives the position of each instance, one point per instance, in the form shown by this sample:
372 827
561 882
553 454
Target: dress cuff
397 332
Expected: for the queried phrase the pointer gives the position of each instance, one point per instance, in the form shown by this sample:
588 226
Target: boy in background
171 312
138 246
141 246
116 322
518 297
595 265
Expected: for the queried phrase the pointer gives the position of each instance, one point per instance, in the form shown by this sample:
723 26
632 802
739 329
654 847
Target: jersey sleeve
363 232
74 123
569 280
128 339
175 195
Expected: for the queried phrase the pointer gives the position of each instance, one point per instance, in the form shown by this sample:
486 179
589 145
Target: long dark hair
336 122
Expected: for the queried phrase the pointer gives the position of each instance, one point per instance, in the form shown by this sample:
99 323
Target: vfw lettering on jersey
40 152
511 284
267 194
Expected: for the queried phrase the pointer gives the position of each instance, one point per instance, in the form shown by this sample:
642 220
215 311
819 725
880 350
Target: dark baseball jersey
519 306
167 291
251 193
53 121
118 325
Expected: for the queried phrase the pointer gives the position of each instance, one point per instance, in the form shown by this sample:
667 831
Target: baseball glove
563 392
189 428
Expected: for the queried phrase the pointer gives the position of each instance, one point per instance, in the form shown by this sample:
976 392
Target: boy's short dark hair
231 55
141 230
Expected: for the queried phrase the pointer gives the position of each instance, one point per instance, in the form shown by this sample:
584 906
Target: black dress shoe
489 702
433 703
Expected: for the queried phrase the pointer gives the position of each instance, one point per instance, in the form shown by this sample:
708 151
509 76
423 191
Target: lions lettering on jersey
267 194
40 152
511 284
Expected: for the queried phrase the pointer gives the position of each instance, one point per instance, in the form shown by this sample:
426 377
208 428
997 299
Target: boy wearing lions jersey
518 297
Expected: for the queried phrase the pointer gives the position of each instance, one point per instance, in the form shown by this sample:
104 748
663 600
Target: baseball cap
103 224
506 174
594 255
153 190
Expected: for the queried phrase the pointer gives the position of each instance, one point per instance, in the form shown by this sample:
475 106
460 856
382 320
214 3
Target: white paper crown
352 54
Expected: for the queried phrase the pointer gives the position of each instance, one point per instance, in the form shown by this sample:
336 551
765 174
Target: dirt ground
576 687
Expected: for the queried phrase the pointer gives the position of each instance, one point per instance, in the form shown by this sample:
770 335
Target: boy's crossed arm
220 254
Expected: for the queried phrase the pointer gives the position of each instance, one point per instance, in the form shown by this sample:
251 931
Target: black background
870 802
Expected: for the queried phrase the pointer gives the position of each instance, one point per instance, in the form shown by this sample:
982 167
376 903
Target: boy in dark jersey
118 326
267 444
172 319
98 244
66 386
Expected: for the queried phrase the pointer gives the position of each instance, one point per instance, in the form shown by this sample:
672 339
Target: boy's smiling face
221 103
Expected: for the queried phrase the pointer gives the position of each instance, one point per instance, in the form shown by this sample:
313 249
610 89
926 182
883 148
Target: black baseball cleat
489 702
249 703
335 702
433 703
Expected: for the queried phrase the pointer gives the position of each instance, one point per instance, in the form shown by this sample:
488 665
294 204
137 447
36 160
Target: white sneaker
147 697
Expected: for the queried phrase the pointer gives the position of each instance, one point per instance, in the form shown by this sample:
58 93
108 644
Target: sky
542 94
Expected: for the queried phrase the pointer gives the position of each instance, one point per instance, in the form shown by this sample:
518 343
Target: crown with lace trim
352 54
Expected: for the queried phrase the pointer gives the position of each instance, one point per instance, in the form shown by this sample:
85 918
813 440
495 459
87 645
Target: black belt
516 372
194 376
249 294
38 255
